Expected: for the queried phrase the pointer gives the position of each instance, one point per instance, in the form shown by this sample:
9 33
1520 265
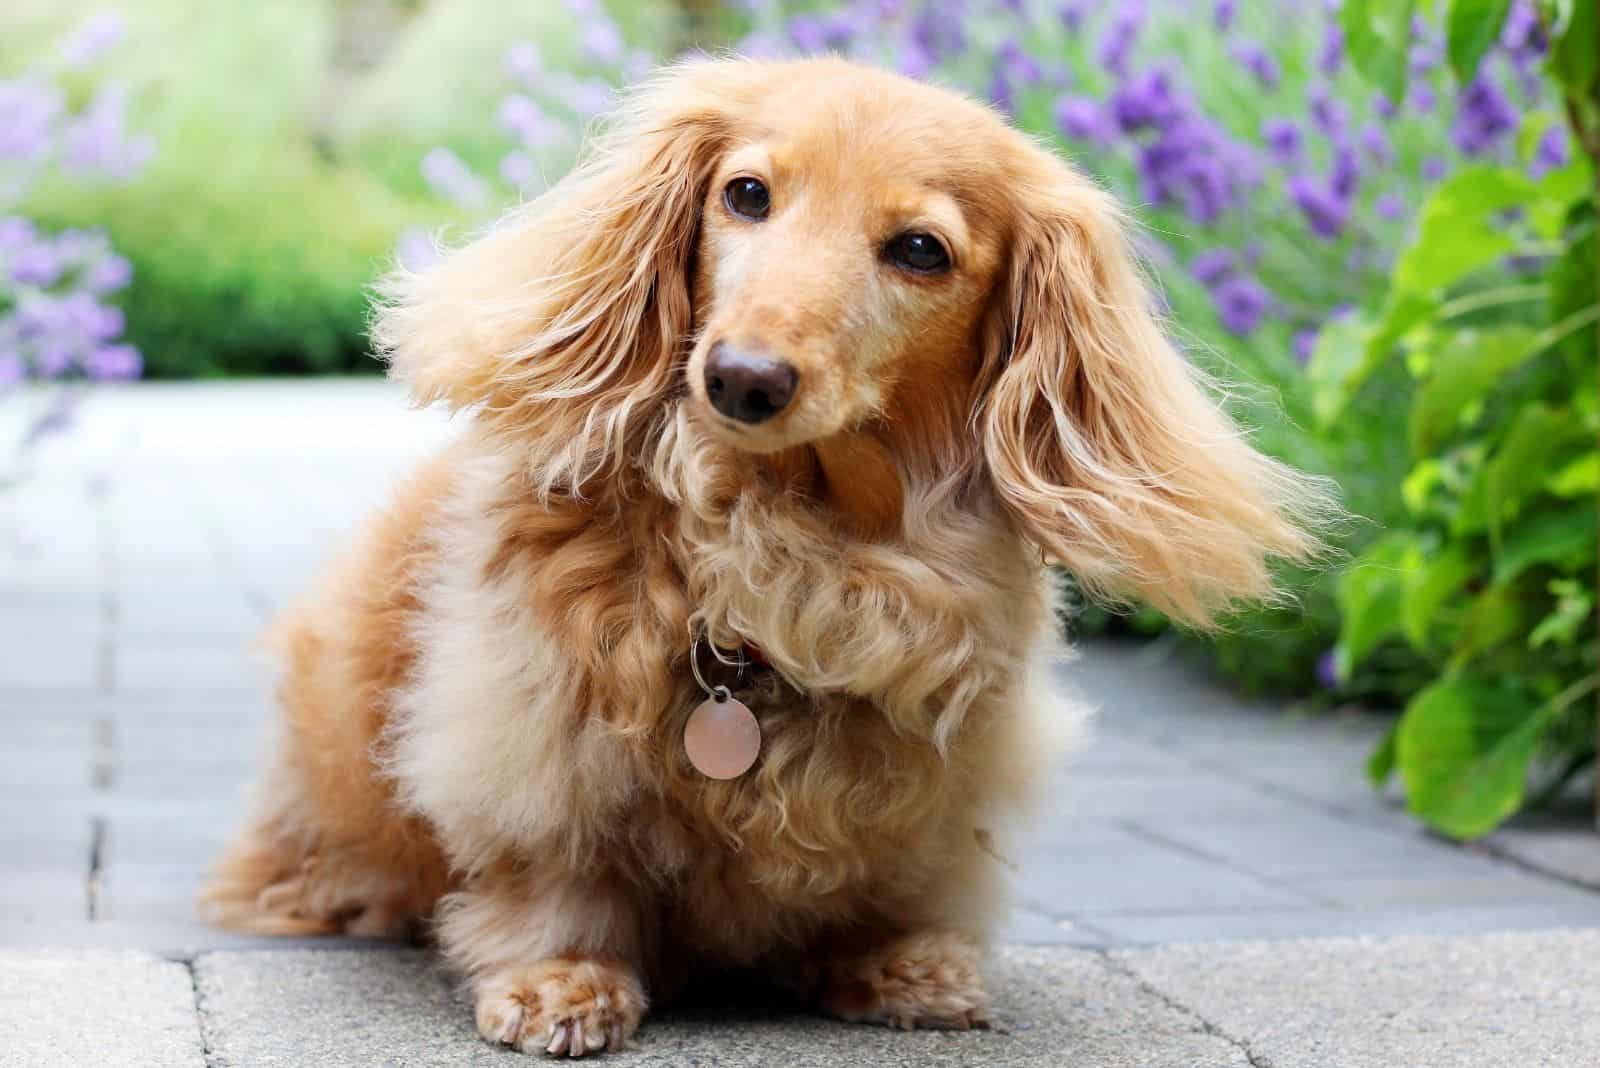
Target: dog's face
841 253
814 258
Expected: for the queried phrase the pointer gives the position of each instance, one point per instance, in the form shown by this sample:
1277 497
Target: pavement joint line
199 1012
1138 830
1242 775
97 859
1523 864
1120 967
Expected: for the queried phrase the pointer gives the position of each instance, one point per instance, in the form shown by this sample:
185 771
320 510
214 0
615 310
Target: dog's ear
1102 441
564 323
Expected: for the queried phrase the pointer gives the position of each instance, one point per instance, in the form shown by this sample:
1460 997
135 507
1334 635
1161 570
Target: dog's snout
748 386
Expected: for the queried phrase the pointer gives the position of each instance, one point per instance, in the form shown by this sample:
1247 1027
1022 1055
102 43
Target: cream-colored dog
807 362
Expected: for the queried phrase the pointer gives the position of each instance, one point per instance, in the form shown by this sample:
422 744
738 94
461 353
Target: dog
807 368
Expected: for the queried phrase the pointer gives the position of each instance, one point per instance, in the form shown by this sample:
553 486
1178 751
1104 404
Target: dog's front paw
928 979
561 1007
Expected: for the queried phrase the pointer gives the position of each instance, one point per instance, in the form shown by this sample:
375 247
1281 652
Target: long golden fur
485 702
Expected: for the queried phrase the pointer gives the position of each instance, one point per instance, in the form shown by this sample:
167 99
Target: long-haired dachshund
708 645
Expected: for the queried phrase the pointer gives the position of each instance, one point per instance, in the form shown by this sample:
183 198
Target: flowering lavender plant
547 105
56 323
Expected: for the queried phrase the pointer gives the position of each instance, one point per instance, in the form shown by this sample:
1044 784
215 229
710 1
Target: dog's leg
926 978
554 961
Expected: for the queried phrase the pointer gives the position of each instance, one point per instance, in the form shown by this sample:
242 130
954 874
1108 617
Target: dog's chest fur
553 685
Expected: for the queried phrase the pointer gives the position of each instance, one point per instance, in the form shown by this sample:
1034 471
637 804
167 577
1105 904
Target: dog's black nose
747 386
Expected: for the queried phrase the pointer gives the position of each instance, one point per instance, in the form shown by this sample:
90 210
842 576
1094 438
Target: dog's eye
748 198
919 252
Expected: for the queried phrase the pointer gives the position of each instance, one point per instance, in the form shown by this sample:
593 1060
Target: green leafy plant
1488 584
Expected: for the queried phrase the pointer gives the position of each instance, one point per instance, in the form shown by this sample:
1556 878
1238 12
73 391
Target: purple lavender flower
809 33
1013 69
940 30
94 37
1389 207
1422 98
12 369
1325 211
1242 303
1346 172
97 141
1083 119
1305 343
1433 168
1116 45
1330 57
524 63
1522 36
601 42
35 265
1386 108
1222 14
107 274
16 232
1328 112
1145 100
1212 266
1282 139
1328 670
1376 144
28 114
1551 153
1072 14
1259 62
450 177
113 363
1483 118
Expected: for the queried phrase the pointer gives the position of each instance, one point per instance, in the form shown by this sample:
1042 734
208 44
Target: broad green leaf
1575 55
1435 580
1493 617
1380 765
1459 233
1465 370
1463 749
1378 38
1370 595
1550 537
1579 478
1518 467
1474 27
1574 608
1575 286
1334 365
1460 229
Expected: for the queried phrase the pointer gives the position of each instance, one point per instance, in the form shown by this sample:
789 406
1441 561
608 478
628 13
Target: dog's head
814 257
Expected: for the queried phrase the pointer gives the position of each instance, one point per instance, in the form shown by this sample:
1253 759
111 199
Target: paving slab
98 1007
1520 1000
1052 1007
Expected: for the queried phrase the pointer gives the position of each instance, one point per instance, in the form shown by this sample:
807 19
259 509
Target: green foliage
289 136
1488 579
1378 34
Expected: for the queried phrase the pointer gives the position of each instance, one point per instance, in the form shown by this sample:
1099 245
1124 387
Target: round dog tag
722 738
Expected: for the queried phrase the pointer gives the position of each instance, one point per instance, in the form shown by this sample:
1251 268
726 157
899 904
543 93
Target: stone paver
1052 1007
1511 1000
96 1007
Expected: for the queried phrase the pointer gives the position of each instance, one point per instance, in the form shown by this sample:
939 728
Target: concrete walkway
152 544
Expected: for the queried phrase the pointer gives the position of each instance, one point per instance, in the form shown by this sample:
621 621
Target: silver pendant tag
722 737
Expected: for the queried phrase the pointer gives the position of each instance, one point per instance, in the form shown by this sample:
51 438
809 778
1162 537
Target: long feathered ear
1106 445
564 322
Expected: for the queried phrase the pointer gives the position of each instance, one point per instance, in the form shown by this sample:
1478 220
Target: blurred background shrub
1372 219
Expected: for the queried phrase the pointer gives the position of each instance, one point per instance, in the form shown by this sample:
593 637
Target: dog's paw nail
511 1028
